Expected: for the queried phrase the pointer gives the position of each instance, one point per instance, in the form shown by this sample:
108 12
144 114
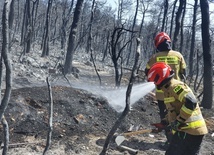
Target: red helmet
160 37
159 72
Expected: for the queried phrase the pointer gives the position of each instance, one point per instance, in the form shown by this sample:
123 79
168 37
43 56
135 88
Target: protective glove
175 125
164 122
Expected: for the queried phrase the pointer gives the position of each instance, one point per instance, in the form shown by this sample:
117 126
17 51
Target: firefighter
183 112
175 60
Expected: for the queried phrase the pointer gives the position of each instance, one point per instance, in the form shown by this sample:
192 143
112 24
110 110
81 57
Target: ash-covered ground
81 118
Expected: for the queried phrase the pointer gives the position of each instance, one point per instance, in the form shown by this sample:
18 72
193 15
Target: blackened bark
177 24
26 29
65 19
182 29
207 56
50 121
45 43
192 48
72 38
28 32
106 47
11 19
116 52
166 5
6 59
172 19
132 34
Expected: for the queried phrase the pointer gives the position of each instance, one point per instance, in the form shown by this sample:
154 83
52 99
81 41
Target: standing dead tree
166 5
26 35
90 38
207 56
65 21
50 111
172 18
177 24
116 52
10 22
128 93
72 38
182 29
132 34
6 59
6 135
45 42
192 49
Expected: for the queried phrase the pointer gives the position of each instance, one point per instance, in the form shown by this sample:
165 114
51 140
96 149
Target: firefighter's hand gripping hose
175 125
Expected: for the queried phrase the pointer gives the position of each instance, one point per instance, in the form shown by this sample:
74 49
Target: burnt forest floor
81 119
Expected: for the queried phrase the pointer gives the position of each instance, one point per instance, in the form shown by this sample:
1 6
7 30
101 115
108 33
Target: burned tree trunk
89 45
172 19
132 34
65 20
128 94
166 5
116 52
50 111
6 59
45 43
192 49
26 29
6 135
207 56
178 24
72 38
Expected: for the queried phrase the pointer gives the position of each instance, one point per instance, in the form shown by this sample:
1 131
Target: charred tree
5 57
145 9
106 47
192 48
11 21
132 34
166 5
72 38
34 18
50 122
26 29
182 29
90 39
65 20
45 42
207 56
177 24
116 52
127 107
6 135
172 19
8 77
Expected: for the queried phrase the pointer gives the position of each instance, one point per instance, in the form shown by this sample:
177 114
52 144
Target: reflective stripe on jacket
174 99
174 59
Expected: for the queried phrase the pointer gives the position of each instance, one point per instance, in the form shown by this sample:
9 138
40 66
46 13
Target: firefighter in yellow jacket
183 112
176 61
173 58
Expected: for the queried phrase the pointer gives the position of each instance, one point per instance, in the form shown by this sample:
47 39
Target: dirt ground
81 121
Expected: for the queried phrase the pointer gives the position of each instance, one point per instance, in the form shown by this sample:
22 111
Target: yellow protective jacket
182 105
174 59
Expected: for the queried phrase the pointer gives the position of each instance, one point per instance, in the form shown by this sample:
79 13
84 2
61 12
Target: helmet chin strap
165 81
